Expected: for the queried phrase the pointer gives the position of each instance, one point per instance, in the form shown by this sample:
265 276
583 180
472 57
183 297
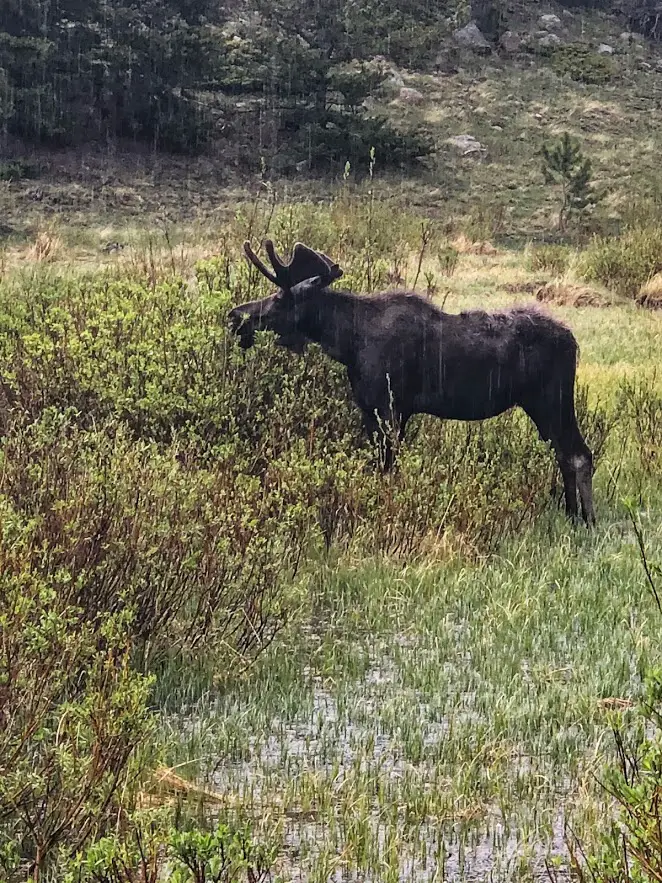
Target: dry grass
464 245
166 786
47 247
569 294
615 703
650 295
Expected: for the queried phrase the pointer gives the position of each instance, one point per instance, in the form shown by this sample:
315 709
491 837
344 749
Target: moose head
289 310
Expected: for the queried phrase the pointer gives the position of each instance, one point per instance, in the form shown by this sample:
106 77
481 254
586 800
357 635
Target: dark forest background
285 79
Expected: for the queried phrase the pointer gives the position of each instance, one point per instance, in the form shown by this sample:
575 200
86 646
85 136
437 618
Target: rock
471 37
467 145
411 96
630 37
550 41
658 65
448 59
549 22
379 64
510 42
605 49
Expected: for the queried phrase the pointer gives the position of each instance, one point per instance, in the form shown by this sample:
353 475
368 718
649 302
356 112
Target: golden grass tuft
650 294
47 247
568 294
615 703
465 245
165 787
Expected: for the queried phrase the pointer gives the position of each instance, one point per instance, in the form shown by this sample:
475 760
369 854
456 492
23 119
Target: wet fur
406 356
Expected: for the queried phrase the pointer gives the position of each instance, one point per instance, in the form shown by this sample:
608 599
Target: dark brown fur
405 356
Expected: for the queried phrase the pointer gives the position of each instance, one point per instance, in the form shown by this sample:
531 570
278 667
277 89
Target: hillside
581 73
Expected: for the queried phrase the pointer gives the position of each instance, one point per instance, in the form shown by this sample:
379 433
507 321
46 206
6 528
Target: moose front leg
386 433
376 435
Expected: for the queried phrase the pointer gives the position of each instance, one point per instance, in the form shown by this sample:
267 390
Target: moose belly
466 402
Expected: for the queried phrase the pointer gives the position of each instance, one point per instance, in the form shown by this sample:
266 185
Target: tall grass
624 263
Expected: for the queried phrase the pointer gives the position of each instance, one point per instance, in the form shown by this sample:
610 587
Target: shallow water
438 723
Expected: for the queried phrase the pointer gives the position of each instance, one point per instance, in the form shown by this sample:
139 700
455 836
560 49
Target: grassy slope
512 105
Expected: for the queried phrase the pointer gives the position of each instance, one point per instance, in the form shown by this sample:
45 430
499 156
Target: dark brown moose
405 356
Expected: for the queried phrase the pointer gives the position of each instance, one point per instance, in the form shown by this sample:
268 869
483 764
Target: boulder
411 96
605 49
471 37
467 145
550 41
549 22
510 42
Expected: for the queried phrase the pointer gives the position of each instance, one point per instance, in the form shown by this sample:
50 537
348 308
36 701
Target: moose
405 356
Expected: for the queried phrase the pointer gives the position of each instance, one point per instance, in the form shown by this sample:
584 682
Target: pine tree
565 166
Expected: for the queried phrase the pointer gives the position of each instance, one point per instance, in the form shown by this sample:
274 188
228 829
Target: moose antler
305 264
255 260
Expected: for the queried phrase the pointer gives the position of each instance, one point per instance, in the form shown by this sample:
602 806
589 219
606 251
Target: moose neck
334 322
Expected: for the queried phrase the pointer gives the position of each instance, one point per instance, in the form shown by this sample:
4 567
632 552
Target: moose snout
240 324
235 319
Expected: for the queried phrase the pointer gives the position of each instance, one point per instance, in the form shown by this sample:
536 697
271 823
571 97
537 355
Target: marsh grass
433 718
402 676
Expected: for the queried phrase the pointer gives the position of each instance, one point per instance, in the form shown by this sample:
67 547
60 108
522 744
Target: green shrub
196 551
582 64
640 404
624 263
154 849
75 730
448 258
553 259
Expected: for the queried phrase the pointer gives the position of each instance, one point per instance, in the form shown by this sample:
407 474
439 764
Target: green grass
439 710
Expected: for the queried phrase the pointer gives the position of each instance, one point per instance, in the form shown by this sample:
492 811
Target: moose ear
309 285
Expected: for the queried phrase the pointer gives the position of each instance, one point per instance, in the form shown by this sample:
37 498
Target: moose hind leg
576 463
580 460
569 485
582 464
549 433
